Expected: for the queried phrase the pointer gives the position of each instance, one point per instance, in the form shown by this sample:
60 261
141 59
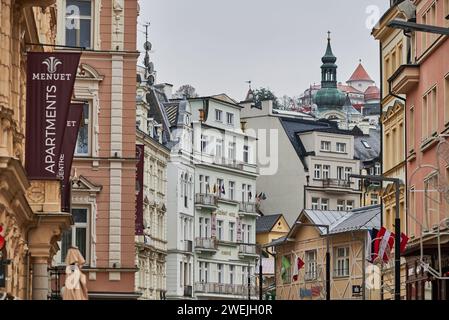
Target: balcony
247 207
336 183
206 244
405 78
231 163
188 245
206 201
188 290
225 289
247 250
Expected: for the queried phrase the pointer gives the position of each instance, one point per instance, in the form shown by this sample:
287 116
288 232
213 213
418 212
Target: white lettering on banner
52 76
50 129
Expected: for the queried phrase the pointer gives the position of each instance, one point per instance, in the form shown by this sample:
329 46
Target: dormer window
366 144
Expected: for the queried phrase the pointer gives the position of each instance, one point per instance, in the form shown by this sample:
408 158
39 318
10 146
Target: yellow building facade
29 210
395 49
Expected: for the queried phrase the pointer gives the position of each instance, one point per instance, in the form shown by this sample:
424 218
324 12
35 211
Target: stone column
40 279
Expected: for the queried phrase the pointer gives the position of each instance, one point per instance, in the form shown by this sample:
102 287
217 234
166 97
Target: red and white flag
404 241
298 264
383 244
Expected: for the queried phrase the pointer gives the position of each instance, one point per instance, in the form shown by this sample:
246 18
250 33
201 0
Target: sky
218 45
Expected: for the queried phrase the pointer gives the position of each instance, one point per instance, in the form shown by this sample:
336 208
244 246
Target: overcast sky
217 45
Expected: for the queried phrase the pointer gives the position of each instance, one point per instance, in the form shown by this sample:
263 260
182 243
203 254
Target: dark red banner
140 155
50 80
68 150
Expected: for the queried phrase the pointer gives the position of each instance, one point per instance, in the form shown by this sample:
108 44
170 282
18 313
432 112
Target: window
204 272
220 273
230 118
244 275
324 204
207 184
243 192
315 203
220 229
340 205
200 225
244 240
317 171
77 235
231 151
219 147
366 144
374 198
218 115
248 235
446 93
377 169
326 172
341 147
340 173
246 154
348 171
206 227
311 265
220 185
325 146
78 22
231 274
429 114
349 205
231 190
202 187
203 143
83 141
250 193
342 262
231 231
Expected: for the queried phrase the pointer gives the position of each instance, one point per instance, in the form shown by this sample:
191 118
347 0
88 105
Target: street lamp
397 229
258 246
412 26
328 256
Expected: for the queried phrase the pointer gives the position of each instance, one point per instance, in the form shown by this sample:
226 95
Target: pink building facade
425 82
103 191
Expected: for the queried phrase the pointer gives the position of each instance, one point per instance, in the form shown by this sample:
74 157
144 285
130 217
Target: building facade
103 191
31 221
424 80
225 194
348 232
151 247
395 51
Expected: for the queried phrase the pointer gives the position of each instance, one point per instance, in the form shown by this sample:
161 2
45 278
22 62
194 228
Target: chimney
267 106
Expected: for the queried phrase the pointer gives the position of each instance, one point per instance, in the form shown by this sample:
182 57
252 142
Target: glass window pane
79 215
81 240
66 243
84 6
82 144
85 33
70 37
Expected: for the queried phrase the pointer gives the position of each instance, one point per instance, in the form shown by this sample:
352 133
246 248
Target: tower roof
329 56
360 74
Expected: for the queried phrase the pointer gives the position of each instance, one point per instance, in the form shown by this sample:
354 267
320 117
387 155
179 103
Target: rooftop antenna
149 66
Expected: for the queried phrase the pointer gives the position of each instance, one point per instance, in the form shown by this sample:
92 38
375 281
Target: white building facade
225 194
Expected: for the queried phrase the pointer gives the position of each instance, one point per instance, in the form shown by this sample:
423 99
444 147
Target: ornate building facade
31 221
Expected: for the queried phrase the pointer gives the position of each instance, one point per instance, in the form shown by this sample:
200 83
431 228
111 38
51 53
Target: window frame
342 261
77 154
92 18
86 226
311 270
341 144
219 115
230 116
326 146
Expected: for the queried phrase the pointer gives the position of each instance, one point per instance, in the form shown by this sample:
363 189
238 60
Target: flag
222 191
369 247
264 196
285 266
250 195
296 267
404 241
2 239
383 244
215 188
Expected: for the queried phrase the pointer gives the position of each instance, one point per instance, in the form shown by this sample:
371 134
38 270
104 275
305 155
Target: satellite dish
147 45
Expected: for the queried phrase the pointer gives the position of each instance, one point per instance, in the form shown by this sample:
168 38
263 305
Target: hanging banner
239 230
50 80
214 225
73 123
140 155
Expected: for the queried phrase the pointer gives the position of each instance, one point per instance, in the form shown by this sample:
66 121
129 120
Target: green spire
329 57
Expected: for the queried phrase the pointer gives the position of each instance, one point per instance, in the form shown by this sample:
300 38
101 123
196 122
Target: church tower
329 97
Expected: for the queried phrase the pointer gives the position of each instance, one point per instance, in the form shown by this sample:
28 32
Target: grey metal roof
362 152
343 221
172 112
266 223
360 219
